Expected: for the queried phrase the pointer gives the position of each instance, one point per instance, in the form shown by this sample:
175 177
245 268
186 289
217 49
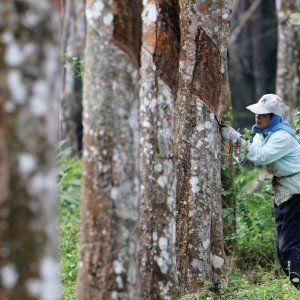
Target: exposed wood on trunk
288 55
199 242
128 27
108 246
207 76
29 93
159 70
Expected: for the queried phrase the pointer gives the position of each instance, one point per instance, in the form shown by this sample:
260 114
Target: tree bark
288 55
199 238
159 77
29 93
108 238
71 94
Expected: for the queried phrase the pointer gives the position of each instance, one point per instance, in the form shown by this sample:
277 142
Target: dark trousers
287 221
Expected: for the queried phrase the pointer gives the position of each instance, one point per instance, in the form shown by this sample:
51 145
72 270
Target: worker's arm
279 145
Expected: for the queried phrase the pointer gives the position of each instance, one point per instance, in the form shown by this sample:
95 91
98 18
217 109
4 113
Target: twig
245 18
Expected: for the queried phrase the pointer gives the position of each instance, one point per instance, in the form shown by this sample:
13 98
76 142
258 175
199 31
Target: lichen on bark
108 236
199 239
29 102
160 48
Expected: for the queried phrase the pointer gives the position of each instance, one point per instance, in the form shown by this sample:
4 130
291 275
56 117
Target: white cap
267 104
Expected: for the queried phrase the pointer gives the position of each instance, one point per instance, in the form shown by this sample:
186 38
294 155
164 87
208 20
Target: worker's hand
230 134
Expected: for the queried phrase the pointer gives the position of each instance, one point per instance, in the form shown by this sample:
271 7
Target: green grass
239 287
257 276
69 217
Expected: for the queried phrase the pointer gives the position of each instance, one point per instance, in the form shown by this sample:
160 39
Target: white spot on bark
9 106
48 285
206 244
118 267
26 163
196 264
194 165
170 203
30 19
150 13
114 193
9 276
146 124
119 282
108 18
154 236
7 37
192 212
43 183
16 87
164 288
158 168
199 144
207 125
217 261
38 102
162 265
194 184
94 11
162 181
14 55
200 128
163 243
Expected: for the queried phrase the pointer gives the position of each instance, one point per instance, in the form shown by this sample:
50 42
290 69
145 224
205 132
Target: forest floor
260 277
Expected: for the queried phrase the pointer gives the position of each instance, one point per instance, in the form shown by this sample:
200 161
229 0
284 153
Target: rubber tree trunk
29 92
71 95
108 237
159 78
199 237
288 55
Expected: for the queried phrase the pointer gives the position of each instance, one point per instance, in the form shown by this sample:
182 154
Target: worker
275 146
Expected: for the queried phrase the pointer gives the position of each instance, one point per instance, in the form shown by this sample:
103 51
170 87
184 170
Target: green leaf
295 18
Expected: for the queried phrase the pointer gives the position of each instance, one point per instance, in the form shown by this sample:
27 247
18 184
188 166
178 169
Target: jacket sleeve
279 144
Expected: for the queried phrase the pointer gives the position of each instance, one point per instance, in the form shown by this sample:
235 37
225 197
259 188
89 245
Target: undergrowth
256 274
69 217
239 287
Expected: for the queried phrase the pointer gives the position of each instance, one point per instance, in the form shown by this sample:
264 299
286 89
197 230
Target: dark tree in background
252 64
73 42
288 58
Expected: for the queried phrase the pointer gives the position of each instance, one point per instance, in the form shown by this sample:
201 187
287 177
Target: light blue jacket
279 152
